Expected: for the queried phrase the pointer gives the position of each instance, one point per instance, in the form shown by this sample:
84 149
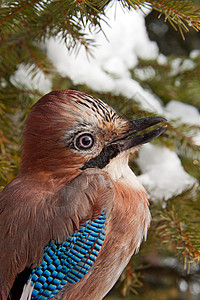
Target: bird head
69 131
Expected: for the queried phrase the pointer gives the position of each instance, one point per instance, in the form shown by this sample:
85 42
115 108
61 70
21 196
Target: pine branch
16 49
179 13
177 230
15 103
6 144
130 280
41 19
13 12
171 82
24 24
181 139
69 18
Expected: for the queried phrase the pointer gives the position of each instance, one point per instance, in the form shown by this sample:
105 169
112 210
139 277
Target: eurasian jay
75 214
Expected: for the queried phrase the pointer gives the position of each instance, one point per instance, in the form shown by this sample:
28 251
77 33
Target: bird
75 214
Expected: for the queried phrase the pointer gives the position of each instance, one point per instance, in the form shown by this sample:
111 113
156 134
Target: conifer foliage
175 230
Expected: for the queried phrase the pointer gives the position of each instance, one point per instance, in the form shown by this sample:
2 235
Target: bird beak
125 141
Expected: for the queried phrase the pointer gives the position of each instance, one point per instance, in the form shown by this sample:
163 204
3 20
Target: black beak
125 141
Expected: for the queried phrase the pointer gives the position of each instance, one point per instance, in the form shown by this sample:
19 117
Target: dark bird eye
84 141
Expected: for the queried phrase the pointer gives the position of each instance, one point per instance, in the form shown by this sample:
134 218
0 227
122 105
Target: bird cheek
75 159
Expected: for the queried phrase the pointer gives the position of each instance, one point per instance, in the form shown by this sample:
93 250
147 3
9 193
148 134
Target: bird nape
75 214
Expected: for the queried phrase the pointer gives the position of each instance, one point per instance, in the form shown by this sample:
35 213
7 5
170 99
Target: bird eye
84 141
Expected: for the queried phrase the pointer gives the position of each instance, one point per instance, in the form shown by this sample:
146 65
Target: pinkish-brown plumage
74 166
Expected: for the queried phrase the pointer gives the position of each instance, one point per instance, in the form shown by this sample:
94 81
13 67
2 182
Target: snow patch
108 69
186 114
23 76
163 175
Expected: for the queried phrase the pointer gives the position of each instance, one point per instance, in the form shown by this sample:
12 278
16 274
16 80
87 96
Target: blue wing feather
69 261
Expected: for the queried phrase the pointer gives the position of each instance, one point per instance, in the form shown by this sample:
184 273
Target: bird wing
61 235
70 261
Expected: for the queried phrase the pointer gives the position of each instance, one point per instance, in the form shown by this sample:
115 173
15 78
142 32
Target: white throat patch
119 170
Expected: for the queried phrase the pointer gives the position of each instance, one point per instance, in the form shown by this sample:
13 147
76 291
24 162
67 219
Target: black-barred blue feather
69 261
